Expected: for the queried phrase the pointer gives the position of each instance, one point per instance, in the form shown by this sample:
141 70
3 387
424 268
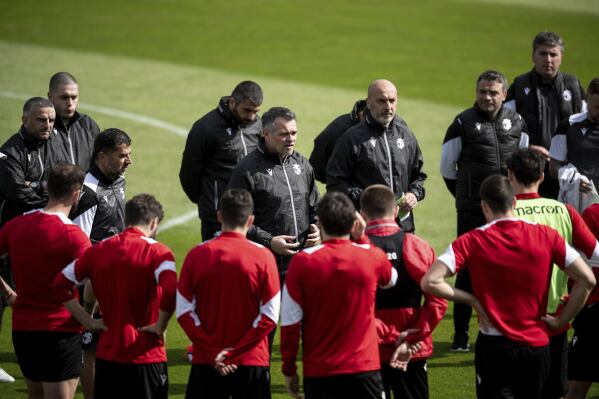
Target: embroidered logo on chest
401 143
526 90
584 130
297 169
229 131
372 142
477 125
506 124
567 95
269 171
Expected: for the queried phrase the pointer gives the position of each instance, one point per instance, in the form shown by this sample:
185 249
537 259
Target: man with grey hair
379 150
544 97
77 130
214 147
478 144
282 185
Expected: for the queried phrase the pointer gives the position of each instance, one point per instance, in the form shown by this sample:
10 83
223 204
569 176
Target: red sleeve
291 317
457 253
165 272
270 306
78 240
386 333
591 218
582 237
418 257
74 274
187 313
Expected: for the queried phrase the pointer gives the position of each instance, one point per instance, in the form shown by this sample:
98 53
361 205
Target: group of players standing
264 225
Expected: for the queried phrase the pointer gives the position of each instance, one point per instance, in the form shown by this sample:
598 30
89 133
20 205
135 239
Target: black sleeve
314 195
324 145
417 175
451 185
340 168
14 187
190 173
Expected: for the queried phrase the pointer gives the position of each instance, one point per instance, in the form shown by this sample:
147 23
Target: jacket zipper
497 148
245 149
389 159
292 200
215 195
39 157
71 148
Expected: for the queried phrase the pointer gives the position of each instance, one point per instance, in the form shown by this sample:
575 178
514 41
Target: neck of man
501 215
58 206
520 188
326 236
237 229
144 228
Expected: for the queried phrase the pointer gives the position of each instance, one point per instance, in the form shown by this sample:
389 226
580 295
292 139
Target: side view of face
280 139
593 107
114 163
245 112
39 122
547 60
65 99
490 96
382 101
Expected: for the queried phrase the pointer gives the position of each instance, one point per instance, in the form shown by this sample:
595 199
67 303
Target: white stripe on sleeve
594 260
450 153
524 140
392 280
291 311
184 307
571 255
559 148
448 257
69 273
164 266
270 309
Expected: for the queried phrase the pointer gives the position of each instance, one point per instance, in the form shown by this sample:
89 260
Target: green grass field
153 67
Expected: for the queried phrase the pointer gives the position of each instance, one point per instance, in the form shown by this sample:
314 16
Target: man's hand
292 384
284 245
408 202
153 329
402 355
554 323
358 228
95 325
219 363
585 186
313 237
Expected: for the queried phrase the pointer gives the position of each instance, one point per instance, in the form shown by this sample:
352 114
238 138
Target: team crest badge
229 131
269 171
506 124
372 142
584 130
477 125
567 95
401 143
297 169
526 90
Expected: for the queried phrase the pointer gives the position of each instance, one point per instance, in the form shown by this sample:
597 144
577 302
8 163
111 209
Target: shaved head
382 101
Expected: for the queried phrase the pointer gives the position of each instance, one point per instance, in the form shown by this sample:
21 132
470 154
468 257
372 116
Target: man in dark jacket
282 185
215 145
478 144
78 131
324 143
380 150
544 97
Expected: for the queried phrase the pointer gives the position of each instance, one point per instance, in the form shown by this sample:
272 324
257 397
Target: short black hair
527 166
270 116
377 201
493 76
61 78
36 102
63 179
547 39
108 140
498 193
236 205
248 91
336 214
141 209
593 87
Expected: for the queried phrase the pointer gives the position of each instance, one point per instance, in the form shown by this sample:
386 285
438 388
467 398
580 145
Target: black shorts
128 380
556 386
409 384
584 348
367 385
247 382
506 369
48 356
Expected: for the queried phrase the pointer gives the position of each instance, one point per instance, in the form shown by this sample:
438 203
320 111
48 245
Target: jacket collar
224 111
360 105
97 173
526 196
59 123
271 156
375 124
30 142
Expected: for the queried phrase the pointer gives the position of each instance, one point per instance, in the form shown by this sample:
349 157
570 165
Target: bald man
381 149
77 131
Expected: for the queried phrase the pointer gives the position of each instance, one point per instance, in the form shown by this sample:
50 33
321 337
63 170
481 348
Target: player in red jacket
134 280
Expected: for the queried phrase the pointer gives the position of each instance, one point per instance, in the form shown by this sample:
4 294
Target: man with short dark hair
544 97
476 145
525 172
282 185
77 130
228 302
510 263
380 150
402 306
324 143
576 141
40 243
215 145
134 279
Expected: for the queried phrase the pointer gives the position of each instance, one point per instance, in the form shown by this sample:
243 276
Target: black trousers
131 381
367 385
467 220
506 369
557 384
409 384
247 382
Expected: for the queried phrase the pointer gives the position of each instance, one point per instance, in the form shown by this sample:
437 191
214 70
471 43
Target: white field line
146 120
